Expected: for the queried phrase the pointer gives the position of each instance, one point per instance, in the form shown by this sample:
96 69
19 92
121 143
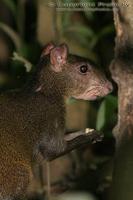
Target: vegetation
90 34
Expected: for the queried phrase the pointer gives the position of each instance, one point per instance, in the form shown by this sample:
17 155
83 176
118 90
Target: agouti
32 121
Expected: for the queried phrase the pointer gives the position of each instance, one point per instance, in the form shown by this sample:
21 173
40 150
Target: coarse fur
35 117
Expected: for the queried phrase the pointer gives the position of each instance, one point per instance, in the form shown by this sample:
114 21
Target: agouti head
73 75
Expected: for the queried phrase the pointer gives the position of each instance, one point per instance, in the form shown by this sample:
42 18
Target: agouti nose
109 86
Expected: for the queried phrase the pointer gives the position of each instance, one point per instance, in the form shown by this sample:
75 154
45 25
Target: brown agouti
32 121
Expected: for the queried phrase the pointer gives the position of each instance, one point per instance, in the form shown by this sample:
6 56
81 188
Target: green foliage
82 32
87 29
92 33
12 34
24 53
106 116
12 6
21 59
84 29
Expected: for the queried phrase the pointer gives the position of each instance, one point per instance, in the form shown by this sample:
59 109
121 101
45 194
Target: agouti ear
47 49
58 57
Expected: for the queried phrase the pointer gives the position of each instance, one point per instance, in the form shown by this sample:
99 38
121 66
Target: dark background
25 27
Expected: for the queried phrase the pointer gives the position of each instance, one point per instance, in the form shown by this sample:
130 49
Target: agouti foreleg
52 150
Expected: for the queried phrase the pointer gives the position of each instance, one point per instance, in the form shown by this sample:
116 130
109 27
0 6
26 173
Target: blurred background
25 27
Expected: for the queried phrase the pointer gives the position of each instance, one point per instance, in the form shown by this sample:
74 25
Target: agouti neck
46 81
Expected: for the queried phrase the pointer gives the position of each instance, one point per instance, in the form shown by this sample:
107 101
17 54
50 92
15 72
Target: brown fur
36 115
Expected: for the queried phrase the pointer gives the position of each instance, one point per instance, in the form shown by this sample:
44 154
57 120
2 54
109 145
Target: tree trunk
122 73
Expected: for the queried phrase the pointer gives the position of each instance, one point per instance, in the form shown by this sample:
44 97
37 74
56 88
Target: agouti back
33 119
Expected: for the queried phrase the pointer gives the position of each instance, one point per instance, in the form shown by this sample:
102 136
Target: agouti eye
83 69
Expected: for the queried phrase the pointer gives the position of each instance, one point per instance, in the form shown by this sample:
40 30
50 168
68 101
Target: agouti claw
96 137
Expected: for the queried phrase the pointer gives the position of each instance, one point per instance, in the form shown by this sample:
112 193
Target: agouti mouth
102 90
97 92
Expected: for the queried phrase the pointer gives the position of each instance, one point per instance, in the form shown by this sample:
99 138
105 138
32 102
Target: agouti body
32 121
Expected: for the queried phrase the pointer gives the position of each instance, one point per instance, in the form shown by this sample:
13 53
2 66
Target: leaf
89 15
11 5
89 4
12 34
66 19
106 112
101 116
105 31
26 63
82 30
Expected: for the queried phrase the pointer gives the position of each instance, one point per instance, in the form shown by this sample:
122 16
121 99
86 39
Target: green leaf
80 33
105 31
66 20
89 15
101 116
25 50
12 34
21 59
84 31
106 112
11 5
